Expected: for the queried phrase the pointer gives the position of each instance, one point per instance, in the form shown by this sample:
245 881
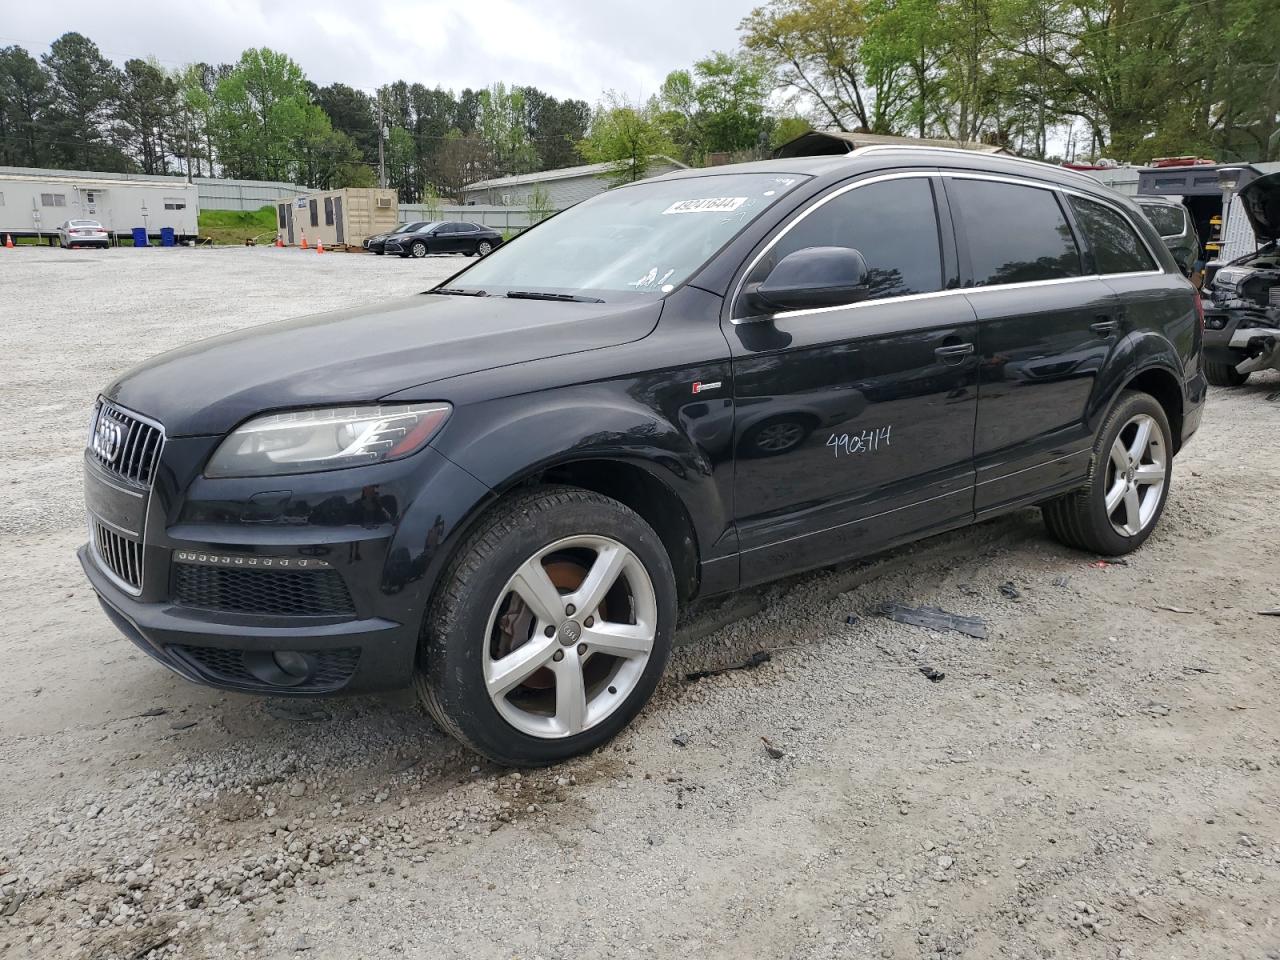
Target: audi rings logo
107 438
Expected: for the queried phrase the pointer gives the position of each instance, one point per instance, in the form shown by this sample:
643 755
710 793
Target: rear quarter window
1113 244
1168 221
1015 234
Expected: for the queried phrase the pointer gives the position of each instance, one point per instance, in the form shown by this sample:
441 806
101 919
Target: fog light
294 664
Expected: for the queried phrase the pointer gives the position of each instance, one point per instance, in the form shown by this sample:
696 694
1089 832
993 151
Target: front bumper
1248 338
370 529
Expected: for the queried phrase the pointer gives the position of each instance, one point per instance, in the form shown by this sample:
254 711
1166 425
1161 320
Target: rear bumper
347 656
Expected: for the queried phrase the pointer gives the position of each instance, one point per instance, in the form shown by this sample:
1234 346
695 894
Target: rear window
1015 234
1114 245
1169 221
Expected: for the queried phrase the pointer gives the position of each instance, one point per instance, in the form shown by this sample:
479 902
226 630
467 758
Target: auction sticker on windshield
706 205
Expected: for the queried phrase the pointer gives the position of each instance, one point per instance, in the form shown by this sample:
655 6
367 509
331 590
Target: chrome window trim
953 174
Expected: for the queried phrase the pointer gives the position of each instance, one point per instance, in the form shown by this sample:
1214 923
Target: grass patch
236 226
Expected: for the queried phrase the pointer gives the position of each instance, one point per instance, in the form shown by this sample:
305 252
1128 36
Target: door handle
953 353
1105 327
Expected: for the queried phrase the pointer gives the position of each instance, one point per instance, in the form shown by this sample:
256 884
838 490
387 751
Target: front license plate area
114 503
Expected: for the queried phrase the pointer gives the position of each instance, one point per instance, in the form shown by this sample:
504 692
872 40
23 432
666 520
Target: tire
1081 519
477 601
418 250
1224 374
380 252
484 248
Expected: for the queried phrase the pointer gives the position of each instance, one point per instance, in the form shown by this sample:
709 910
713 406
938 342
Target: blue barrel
140 236
166 237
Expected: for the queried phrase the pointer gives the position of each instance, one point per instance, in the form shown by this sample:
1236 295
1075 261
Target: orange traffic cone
279 242
8 241
304 241
319 246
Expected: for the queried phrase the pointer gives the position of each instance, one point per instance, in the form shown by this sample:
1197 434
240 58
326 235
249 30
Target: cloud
570 48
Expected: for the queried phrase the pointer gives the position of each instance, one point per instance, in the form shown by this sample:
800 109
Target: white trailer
34 205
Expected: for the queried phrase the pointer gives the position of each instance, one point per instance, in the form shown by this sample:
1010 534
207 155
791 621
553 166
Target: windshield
85 223
407 227
642 239
1167 220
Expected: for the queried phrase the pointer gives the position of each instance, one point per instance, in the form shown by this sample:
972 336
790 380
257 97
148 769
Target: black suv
499 491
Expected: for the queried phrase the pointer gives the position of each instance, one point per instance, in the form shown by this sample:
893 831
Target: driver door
854 423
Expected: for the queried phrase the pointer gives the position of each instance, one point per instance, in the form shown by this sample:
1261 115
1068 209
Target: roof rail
960 151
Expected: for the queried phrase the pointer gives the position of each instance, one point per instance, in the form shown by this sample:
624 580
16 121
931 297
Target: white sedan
82 233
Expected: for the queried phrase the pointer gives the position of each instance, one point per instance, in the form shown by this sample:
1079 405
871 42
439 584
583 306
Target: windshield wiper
565 297
458 292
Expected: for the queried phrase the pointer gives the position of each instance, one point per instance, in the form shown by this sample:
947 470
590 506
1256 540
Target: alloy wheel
569 637
484 248
1136 475
419 249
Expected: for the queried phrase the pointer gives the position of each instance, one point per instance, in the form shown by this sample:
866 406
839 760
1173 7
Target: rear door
1047 326
854 424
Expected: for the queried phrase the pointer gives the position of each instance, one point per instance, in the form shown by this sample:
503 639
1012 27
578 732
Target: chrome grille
121 555
124 444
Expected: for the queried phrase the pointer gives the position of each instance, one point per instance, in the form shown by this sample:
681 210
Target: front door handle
953 353
1105 328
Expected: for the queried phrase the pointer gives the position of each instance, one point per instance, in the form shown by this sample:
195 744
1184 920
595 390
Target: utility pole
382 135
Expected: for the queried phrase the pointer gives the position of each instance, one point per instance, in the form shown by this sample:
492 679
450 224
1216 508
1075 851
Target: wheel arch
1160 383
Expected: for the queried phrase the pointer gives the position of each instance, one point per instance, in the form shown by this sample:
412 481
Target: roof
879 156
90 180
563 173
827 142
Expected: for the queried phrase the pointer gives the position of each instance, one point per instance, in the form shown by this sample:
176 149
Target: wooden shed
337 217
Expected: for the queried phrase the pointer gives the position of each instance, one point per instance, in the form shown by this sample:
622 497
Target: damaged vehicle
1242 313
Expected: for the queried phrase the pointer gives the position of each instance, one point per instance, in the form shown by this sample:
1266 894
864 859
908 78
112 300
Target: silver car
82 233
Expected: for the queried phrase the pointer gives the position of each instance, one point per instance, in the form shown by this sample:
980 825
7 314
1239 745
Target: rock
945 863
298 789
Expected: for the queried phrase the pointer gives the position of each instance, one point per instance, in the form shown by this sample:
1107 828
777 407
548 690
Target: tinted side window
1015 234
1113 243
1169 221
893 224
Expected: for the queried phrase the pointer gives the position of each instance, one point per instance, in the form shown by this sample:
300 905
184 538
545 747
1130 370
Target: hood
1261 202
363 354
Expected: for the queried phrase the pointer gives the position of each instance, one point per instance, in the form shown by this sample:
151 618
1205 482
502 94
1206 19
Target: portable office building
34 204
338 217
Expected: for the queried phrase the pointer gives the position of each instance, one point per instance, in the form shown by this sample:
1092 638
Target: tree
462 159
84 86
501 125
352 112
555 127
264 120
538 205
720 106
147 122
625 136
24 97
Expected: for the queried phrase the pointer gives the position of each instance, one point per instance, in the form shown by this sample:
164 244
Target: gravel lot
1100 777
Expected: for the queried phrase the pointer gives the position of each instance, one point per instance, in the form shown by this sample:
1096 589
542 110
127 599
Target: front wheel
551 627
484 248
418 250
1128 482
1224 374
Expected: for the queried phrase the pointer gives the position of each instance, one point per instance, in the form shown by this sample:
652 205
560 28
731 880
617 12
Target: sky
569 48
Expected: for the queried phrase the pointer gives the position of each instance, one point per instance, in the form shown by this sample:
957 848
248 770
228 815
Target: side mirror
812 277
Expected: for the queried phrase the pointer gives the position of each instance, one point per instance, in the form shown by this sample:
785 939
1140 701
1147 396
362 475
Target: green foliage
719 106
626 136
538 205
1140 77
236 226
501 126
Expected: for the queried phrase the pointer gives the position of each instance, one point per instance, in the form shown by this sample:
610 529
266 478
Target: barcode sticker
706 205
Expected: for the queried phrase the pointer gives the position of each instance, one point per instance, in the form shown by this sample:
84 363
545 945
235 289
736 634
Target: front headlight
306 441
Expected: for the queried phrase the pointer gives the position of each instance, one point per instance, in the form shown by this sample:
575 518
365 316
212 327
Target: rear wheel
1224 374
1128 482
551 628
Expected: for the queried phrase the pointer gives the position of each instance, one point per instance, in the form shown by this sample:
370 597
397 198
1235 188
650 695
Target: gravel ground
1100 777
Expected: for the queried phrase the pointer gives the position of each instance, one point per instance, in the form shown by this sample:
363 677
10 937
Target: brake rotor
515 625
